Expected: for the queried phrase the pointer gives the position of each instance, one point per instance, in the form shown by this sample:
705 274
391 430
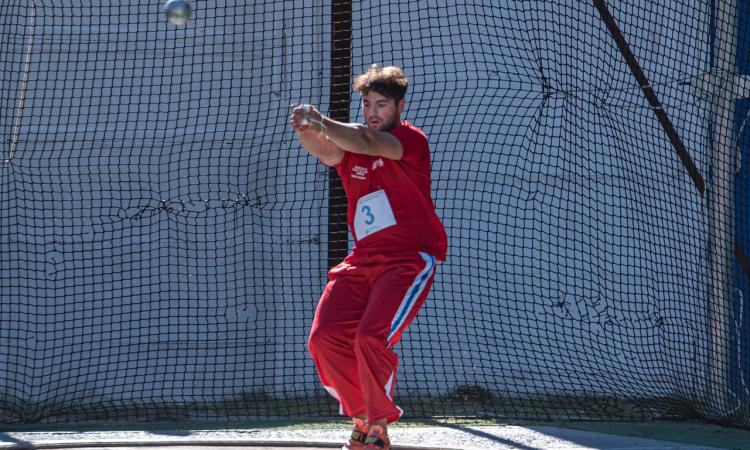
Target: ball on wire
177 11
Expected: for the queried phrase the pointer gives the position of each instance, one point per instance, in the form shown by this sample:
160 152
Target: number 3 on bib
373 214
369 218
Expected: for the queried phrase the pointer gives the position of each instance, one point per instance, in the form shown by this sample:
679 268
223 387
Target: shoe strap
358 436
376 441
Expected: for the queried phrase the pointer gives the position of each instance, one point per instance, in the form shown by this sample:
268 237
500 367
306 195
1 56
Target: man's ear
400 106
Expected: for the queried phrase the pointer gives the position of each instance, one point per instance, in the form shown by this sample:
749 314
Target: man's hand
306 118
307 122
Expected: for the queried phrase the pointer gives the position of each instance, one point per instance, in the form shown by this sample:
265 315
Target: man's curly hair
388 81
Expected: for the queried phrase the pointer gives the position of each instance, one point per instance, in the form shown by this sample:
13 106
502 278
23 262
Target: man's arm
320 146
357 138
350 137
313 141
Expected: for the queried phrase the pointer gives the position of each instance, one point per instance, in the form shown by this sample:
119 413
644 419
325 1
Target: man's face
381 113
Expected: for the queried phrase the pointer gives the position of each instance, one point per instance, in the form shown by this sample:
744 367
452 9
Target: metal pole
24 83
716 390
341 32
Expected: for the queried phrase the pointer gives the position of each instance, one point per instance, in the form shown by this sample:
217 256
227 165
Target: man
375 293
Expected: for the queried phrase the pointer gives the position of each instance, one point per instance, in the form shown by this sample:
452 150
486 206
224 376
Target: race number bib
373 214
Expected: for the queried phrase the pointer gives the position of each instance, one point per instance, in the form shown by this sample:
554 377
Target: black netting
164 239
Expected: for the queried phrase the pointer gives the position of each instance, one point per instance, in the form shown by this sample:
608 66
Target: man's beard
388 126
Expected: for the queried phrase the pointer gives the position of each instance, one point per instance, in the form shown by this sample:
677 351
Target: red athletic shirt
398 214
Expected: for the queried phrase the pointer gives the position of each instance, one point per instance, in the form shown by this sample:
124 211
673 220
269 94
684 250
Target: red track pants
365 308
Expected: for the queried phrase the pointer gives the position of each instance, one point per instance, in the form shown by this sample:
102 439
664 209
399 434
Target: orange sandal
358 437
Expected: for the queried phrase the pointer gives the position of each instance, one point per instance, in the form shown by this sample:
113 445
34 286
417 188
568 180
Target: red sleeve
416 149
340 167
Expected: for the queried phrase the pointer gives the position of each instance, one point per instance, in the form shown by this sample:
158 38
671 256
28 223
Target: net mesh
165 239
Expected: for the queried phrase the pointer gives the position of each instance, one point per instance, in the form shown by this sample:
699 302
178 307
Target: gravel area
438 437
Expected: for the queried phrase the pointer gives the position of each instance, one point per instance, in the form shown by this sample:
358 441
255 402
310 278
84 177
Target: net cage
164 239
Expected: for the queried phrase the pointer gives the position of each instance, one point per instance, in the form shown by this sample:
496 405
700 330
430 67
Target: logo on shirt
359 172
377 163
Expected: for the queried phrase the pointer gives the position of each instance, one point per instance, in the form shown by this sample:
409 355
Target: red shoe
377 439
359 435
